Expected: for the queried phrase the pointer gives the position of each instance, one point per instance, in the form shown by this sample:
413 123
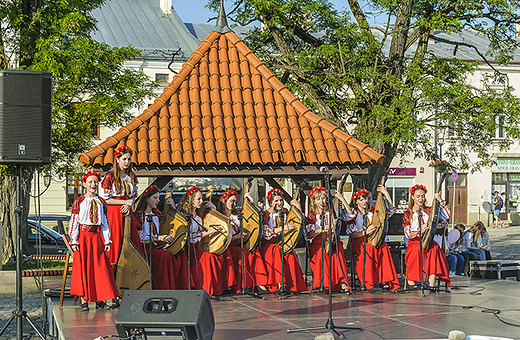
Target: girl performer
92 277
119 189
255 271
206 268
434 261
378 263
319 210
272 254
165 268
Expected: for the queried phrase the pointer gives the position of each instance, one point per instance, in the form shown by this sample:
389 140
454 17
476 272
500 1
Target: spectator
471 245
497 203
484 243
458 247
455 260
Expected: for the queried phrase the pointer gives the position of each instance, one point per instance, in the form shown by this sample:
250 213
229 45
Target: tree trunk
375 173
8 204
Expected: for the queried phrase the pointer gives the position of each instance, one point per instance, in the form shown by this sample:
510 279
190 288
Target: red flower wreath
149 189
229 193
192 189
88 174
318 189
272 191
121 149
359 193
418 186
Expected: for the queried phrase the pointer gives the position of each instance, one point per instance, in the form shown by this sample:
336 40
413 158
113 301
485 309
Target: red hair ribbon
359 193
229 193
88 174
272 191
192 189
418 186
149 189
318 189
121 149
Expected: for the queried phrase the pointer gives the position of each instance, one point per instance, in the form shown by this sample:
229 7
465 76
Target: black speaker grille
25 117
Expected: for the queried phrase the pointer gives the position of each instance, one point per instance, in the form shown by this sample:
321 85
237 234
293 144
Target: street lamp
47 179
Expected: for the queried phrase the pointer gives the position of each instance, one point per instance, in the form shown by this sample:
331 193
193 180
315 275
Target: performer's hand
214 229
289 227
170 202
75 247
107 247
125 208
249 196
371 229
296 203
165 238
438 197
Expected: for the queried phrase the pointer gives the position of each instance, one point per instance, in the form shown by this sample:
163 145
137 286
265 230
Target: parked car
59 224
52 243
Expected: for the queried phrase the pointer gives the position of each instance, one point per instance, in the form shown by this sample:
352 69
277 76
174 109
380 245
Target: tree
382 84
90 84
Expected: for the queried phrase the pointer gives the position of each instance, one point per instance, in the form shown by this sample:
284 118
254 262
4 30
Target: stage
475 309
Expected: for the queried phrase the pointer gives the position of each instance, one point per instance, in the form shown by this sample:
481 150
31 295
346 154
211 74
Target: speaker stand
19 313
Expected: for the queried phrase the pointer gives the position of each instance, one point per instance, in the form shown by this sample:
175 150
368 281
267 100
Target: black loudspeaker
25 117
165 315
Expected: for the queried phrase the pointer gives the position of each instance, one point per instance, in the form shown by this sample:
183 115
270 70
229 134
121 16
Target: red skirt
255 271
92 277
206 271
379 266
165 268
115 217
339 265
434 262
181 280
227 269
292 274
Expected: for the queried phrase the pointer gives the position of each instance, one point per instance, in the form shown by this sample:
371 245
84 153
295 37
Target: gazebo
225 114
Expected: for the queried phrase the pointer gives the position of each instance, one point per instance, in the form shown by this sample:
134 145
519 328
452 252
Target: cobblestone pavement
31 304
505 245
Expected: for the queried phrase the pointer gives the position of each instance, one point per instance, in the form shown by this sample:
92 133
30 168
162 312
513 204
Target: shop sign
402 171
506 165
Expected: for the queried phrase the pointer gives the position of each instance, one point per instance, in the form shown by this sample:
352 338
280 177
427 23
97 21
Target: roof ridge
292 100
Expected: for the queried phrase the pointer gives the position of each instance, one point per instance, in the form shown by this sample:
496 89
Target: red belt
125 197
88 228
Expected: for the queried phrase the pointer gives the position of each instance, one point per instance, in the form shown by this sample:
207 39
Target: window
499 133
399 190
162 77
73 188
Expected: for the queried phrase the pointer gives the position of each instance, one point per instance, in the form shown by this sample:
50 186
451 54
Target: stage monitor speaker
25 117
165 315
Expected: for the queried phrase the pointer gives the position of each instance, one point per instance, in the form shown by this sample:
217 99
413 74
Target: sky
193 11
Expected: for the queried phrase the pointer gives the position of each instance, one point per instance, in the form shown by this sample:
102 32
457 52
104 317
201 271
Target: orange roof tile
226 108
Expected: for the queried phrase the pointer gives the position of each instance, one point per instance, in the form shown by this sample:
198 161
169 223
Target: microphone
324 169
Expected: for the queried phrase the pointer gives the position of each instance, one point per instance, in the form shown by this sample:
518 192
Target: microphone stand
419 215
188 218
244 290
363 286
330 322
281 214
149 219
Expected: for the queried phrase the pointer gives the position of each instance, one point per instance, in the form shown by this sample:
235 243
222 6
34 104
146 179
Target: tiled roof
226 108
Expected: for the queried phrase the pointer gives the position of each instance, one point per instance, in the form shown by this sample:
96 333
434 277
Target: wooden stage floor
489 308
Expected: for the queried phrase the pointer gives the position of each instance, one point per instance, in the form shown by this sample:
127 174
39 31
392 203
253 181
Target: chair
66 269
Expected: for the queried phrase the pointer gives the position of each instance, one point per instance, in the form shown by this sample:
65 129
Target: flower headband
359 193
418 186
318 189
121 149
192 189
149 189
229 193
88 174
272 191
